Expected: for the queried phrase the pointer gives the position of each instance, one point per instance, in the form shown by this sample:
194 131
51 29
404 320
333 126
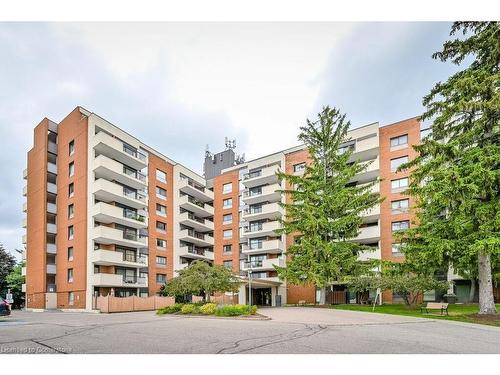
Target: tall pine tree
457 173
326 208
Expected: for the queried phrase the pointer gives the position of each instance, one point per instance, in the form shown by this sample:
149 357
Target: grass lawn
458 312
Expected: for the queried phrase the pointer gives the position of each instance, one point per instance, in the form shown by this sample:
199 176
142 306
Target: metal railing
135 153
254 174
254 228
196 202
131 214
252 193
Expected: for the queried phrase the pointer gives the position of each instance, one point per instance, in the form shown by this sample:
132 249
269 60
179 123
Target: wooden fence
336 297
109 304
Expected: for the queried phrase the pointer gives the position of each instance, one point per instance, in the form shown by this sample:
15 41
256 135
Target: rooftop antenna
230 143
208 154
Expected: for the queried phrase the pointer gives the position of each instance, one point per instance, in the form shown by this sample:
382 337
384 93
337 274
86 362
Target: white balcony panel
24 239
200 209
25 173
23 288
116 258
263 265
200 225
25 207
25 191
51 208
368 234
266 175
108 191
200 193
371 214
115 280
203 241
109 169
51 228
267 211
25 223
106 235
107 213
267 229
23 271
269 193
51 188
114 148
51 248
264 247
191 253
371 173
367 255
51 269
52 168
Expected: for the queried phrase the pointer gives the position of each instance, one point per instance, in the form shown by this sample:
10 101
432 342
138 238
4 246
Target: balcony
23 288
371 172
371 214
116 258
196 190
108 191
51 208
24 223
200 209
262 265
114 148
25 173
367 255
108 236
200 239
52 147
368 234
266 175
24 239
25 207
109 169
262 229
115 280
199 224
51 269
194 252
51 248
52 168
25 191
51 188
107 213
264 247
23 271
266 211
267 193
51 228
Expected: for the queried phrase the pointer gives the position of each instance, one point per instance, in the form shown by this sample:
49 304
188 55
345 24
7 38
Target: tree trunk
322 296
472 291
486 300
207 297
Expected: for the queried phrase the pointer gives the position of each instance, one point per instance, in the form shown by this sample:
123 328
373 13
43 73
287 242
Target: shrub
208 309
170 309
236 310
188 308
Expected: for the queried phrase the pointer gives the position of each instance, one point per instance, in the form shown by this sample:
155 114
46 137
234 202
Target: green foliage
410 286
188 308
208 309
236 310
7 263
203 279
14 281
326 208
457 173
170 309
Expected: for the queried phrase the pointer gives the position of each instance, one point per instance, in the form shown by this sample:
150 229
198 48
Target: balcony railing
195 218
134 280
133 152
196 202
254 174
135 259
253 228
136 174
131 214
134 194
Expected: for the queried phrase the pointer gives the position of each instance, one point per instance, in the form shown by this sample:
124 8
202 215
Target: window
227 233
161 193
161 243
70 275
70 253
396 249
297 168
227 188
227 248
227 203
400 183
400 205
71 190
161 176
402 140
395 163
161 209
161 261
161 227
161 278
71 168
71 298
227 219
71 148
400 225
71 232
228 264
71 211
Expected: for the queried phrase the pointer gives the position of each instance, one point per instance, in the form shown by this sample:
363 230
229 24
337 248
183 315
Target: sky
179 87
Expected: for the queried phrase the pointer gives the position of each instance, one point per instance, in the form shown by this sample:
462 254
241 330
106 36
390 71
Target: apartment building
106 214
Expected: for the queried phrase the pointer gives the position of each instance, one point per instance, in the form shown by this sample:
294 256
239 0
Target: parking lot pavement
291 330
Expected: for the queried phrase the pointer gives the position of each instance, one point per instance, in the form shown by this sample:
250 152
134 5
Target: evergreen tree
457 176
326 207
15 281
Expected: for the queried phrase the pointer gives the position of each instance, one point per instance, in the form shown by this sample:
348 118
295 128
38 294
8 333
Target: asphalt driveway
291 330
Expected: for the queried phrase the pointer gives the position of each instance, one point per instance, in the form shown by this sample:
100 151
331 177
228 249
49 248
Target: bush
170 309
188 308
236 310
208 309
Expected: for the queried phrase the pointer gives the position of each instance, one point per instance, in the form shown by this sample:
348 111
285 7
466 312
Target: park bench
443 307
